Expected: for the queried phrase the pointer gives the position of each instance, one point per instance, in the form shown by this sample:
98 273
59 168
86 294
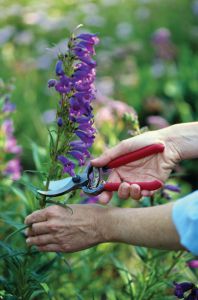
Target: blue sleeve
185 218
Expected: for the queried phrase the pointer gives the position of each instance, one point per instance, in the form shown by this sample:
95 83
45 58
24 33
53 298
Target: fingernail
28 240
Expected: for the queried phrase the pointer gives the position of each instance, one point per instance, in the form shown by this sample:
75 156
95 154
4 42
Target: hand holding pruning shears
135 171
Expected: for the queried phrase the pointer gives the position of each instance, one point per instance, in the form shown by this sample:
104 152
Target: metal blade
58 184
60 191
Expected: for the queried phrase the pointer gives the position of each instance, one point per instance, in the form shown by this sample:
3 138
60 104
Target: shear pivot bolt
76 179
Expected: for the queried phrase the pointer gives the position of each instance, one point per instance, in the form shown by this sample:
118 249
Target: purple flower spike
75 84
59 68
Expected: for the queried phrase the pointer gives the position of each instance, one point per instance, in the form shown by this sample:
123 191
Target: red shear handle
148 186
135 155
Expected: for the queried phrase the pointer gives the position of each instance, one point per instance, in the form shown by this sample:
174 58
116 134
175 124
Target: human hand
71 229
157 166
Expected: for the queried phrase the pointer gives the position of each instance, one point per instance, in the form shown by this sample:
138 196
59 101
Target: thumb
110 154
124 147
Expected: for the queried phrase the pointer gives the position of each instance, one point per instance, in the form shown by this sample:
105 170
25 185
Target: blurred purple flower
11 146
172 188
181 288
49 116
90 200
162 43
193 264
8 106
51 83
13 169
10 164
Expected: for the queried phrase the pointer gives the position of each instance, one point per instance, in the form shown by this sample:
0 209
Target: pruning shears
90 181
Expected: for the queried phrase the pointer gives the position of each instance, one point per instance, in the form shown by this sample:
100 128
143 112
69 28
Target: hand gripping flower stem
89 225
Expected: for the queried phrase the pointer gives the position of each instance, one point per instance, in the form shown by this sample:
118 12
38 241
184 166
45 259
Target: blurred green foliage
129 69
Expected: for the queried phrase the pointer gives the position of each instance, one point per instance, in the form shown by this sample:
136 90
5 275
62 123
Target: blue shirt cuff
185 218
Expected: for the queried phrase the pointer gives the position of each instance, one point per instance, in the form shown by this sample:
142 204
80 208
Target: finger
37 228
105 197
135 192
124 190
36 216
50 248
40 240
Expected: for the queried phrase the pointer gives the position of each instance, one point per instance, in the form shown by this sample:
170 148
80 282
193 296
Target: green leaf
15 232
45 287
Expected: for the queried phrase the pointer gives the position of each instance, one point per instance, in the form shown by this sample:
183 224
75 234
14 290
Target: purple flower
172 188
60 121
181 288
90 200
193 264
63 86
193 295
59 68
85 137
89 37
52 83
13 169
8 106
68 165
78 145
75 77
79 156
11 146
7 127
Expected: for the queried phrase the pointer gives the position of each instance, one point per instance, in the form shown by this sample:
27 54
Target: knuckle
52 210
52 227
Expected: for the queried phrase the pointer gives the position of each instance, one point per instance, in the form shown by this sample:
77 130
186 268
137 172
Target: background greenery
31 35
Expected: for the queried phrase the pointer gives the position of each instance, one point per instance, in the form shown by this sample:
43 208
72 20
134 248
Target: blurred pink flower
157 121
111 109
13 169
193 264
11 146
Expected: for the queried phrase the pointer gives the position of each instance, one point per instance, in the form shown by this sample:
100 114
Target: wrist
183 138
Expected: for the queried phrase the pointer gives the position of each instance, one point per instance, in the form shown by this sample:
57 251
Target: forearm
150 227
185 138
